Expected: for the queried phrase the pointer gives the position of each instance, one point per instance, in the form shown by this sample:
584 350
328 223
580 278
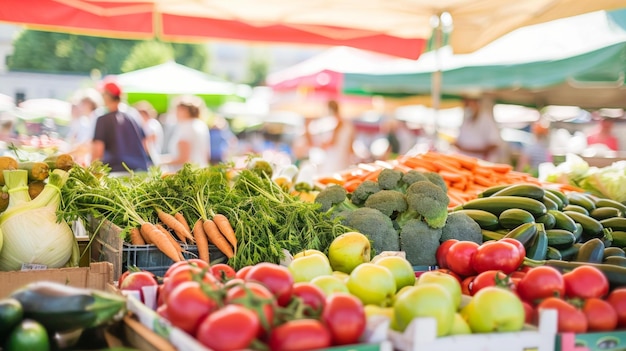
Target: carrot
451 176
214 235
465 161
482 180
135 237
330 180
482 171
415 162
226 229
173 241
442 165
151 232
175 225
499 167
371 175
202 242
181 218
351 185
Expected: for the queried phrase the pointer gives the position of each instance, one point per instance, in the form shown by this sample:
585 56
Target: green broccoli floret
363 191
389 202
411 177
436 179
427 201
420 242
376 226
334 198
390 179
462 227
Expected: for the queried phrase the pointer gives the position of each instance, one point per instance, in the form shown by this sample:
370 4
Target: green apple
349 250
425 300
305 268
459 325
330 284
401 269
402 291
494 309
309 252
341 275
447 281
373 310
372 284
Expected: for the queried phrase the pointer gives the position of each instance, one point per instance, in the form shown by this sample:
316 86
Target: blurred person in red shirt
604 135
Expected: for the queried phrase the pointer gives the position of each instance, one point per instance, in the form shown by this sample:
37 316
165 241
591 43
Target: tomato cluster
228 310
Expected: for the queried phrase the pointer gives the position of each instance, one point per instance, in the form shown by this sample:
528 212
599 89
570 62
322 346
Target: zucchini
591 227
601 213
492 190
553 254
499 204
592 251
560 238
570 252
63 308
486 220
611 203
557 200
550 205
514 217
563 221
524 233
525 190
547 220
619 238
616 275
576 208
539 248
616 261
615 223
613 251
560 195
582 200
491 235
578 233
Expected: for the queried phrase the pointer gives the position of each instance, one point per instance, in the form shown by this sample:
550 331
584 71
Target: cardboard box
98 275
614 340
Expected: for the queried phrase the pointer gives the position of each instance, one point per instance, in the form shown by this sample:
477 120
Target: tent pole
436 78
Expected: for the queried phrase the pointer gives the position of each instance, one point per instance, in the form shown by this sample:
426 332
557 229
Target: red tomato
498 255
447 271
570 318
617 299
520 248
442 250
459 257
182 274
490 278
162 311
299 335
223 272
121 279
136 281
243 272
517 274
160 298
345 318
312 296
230 328
192 261
255 294
467 285
188 305
276 278
601 316
540 283
585 282
529 313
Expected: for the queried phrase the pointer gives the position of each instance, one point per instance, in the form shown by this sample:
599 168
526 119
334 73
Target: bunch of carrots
465 176
217 231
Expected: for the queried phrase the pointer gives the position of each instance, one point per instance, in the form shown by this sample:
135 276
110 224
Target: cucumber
563 221
570 252
11 314
539 248
582 200
524 233
486 220
560 195
616 261
611 203
491 235
550 205
576 208
525 190
492 190
499 204
601 213
547 220
560 238
592 251
553 254
619 238
578 233
591 227
613 251
502 231
616 275
615 223
63 308
557 200
514 217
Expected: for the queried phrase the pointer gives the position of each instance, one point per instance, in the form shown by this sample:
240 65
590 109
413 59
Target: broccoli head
420 242
436 179
389 202
412 176
390 179
462 227
334 198
376 226
428 201
363 191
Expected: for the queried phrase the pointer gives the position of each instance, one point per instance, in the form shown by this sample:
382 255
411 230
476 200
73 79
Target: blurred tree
148 54
258 67
195 56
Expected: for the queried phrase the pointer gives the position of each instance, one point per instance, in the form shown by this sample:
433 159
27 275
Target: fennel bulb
31 231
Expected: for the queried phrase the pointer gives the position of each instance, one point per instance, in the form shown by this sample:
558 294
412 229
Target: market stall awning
399 27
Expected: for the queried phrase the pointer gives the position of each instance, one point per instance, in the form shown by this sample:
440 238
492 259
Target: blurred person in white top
479 135
190 141
152 128
84 115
